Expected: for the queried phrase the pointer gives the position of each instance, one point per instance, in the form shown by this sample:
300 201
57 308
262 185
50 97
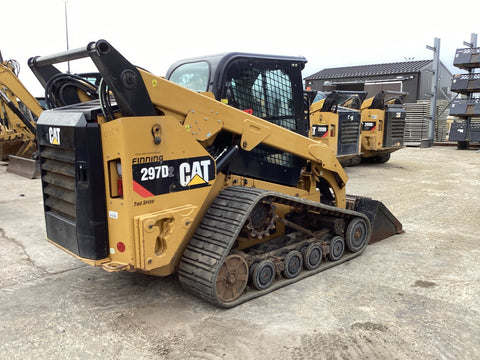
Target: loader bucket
9 147
384 223
28 168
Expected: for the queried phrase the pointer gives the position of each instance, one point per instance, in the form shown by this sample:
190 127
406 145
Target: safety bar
393 92
349 92
64 56
123 79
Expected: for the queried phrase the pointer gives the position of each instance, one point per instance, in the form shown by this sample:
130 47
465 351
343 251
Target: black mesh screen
268 94
271 91
268 155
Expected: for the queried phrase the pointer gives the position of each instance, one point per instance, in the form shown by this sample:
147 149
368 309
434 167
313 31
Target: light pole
433 101
66 32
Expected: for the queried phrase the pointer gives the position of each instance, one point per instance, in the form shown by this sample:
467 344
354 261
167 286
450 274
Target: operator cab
268 87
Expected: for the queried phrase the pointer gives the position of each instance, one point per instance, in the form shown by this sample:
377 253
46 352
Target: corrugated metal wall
425 83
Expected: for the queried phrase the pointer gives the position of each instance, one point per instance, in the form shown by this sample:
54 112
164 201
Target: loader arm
12 91
16 89
208 117
21 109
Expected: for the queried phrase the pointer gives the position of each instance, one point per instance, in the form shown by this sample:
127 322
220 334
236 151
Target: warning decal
369 125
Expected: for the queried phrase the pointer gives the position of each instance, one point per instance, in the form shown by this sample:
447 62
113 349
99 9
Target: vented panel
349 133
398 129
59 181
73 182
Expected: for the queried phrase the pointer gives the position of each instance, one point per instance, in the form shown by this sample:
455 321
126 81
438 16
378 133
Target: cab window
193 76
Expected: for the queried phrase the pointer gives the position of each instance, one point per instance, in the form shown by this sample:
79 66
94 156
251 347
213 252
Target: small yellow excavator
218 183
19 110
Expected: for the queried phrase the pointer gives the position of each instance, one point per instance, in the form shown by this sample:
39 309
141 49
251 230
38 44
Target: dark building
414 77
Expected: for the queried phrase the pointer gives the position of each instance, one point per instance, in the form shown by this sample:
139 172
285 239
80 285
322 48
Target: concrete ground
412 296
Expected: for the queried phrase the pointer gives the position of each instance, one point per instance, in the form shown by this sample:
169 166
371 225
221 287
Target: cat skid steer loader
157 178
383 125
335 122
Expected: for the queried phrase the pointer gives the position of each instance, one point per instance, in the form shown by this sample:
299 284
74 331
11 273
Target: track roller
337 248
312 257
356 234
263 274
293 264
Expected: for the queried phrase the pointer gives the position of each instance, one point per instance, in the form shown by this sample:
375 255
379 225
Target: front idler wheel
356 234
263 275
232 278
337 248
293 264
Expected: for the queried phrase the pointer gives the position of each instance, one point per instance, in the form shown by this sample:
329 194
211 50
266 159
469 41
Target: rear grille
73 182
350 132
398 129
58 167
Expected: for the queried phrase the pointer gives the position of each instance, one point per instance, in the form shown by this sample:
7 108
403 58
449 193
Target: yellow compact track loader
335 122
157 178
383 126
19 109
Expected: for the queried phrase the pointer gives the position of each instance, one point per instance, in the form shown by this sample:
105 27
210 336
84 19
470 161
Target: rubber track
221 226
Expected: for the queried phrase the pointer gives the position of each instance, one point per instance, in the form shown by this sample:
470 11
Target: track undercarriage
219 269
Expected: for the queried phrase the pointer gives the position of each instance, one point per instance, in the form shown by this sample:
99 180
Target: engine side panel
72 181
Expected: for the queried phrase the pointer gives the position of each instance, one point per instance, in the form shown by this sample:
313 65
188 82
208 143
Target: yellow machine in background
335 122
19 110
383 126
158 178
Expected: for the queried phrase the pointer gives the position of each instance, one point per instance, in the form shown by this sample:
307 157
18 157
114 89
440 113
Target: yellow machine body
372 137
18 111
381 135
139 188
338 127
16 103
323 126
160 226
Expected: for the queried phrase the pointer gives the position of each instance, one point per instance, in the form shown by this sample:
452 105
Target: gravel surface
412 296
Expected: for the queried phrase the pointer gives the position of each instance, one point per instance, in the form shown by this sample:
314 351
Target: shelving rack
466 128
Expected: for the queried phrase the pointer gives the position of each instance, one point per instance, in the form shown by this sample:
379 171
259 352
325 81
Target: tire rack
466 128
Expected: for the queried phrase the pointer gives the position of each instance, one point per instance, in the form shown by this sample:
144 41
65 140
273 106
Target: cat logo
54 135
195 173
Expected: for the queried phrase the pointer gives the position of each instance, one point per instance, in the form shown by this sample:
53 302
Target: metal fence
417 118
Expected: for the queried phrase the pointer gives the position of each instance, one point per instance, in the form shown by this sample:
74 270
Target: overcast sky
154 33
